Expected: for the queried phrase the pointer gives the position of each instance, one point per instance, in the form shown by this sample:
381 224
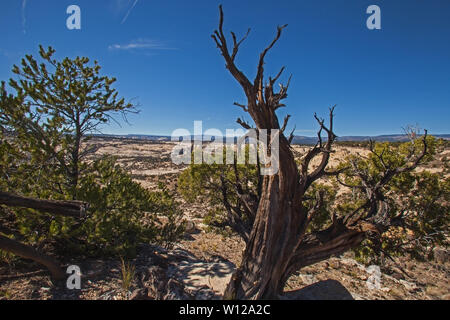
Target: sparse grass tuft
128 271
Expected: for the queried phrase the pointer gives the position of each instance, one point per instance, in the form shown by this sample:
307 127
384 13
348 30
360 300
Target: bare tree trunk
280 219
274 236
65 208
28 252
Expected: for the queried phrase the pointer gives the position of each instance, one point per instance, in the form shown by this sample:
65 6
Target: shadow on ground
322 290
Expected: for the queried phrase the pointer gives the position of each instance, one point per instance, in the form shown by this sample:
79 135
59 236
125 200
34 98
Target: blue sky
163 57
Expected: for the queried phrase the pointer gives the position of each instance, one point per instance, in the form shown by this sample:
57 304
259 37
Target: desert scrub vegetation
422 198
418 202
212 183
44 124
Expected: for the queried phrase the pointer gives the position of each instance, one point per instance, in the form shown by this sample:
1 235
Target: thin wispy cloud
24 17
141 44
129 11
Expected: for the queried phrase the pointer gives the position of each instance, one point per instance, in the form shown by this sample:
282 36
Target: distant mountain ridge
380 138
296 140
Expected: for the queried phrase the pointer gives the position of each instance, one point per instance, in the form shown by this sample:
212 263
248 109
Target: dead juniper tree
277 241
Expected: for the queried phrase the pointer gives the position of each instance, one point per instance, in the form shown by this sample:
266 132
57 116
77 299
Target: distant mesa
303 140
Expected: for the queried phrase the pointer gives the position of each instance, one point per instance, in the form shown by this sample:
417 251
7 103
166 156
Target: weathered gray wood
65 208
28 252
